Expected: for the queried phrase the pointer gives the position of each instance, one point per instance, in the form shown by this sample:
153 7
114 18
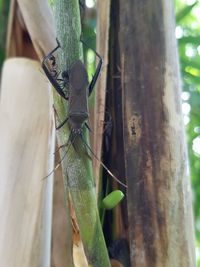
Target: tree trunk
144 86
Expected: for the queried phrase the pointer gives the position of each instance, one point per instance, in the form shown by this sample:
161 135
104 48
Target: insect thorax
77 120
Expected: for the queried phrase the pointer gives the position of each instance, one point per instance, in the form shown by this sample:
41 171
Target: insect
76 79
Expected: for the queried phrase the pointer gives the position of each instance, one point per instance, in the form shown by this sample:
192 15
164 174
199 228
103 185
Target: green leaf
184 12
190 63
194 40
192 78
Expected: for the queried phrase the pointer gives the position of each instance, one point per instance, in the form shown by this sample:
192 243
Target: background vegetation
188 35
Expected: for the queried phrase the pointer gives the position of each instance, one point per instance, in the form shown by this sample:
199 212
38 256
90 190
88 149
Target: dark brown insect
76 78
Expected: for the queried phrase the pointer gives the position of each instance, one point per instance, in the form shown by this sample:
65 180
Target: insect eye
65 75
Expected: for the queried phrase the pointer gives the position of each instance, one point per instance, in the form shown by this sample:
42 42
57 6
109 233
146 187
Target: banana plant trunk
148 134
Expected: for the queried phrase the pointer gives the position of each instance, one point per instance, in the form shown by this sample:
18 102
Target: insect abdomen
78 95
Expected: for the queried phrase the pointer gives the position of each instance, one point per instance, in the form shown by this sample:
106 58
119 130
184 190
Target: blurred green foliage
4 9
188 35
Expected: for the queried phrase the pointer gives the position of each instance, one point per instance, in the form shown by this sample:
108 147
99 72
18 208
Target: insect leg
62 123
56 48
88 127
102 164
52 77
70 141
95 77
97 72
50 56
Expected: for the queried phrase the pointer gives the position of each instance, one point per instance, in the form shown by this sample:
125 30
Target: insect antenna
69 142
102 164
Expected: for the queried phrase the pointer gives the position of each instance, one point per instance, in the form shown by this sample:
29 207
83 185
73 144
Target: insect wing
78 93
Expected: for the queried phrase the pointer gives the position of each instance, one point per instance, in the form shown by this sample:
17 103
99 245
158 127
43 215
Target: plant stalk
77 165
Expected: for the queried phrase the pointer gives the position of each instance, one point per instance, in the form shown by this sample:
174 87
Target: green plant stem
77 165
